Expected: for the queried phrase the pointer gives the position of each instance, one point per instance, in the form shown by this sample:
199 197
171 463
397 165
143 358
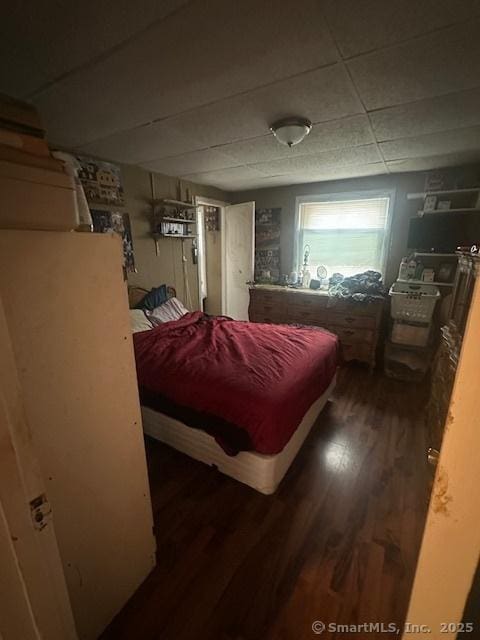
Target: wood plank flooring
337 543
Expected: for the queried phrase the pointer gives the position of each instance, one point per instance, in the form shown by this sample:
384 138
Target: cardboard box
36 198
24 142
21 114
18 156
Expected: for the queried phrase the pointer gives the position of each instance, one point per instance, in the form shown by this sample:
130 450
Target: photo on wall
116 222
101 181
267 245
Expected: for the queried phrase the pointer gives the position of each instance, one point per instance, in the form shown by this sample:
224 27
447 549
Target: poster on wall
101 181
115 222
267 245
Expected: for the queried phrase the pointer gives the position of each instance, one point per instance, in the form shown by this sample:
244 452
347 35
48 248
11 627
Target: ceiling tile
336 134
194 162
433 162
371 24
321 95
41 41
206 52
225 178
320 161
142 144
327 174
428 116
432 144
437 64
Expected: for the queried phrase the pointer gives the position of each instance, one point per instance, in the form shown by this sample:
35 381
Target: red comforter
249 384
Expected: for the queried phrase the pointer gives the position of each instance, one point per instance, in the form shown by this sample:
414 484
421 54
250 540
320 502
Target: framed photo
444 205
115 222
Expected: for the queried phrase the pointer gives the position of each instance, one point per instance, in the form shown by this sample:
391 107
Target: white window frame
342 196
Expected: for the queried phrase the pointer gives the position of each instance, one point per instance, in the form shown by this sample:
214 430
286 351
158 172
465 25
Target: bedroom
285 468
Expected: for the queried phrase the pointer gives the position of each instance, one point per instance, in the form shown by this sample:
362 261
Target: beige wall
153 270
402 184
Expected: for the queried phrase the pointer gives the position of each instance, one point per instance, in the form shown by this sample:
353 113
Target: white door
451 541
238 250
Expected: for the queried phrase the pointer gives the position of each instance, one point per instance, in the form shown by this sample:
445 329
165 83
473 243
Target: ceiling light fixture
291 131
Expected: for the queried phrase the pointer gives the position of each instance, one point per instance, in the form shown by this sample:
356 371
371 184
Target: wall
401 183
153 270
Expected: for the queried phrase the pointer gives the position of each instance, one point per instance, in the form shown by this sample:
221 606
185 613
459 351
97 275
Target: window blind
366 214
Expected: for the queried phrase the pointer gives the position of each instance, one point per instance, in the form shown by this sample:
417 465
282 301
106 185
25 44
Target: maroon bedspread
247 379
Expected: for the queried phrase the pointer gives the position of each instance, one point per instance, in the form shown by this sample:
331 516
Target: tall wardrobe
79 518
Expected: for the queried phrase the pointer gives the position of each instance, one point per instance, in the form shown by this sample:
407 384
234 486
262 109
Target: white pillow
139 321
172 309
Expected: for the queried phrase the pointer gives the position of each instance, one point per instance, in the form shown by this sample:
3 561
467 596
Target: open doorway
210 214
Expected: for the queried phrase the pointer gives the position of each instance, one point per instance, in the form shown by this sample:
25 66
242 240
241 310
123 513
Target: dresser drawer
357 351
353 321
352 336
266 319
270 309
348 308
297 315
267 296
307 300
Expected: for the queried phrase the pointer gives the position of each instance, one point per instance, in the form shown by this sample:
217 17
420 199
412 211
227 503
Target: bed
237 395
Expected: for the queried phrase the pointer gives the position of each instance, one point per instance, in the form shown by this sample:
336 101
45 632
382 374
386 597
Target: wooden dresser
356 324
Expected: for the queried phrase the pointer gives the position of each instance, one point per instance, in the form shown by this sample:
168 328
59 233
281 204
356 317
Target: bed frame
260 472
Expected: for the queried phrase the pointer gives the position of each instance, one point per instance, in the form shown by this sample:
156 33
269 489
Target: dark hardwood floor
338 542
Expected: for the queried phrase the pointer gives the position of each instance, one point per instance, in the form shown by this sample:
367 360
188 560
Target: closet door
238 256
66 307
34 601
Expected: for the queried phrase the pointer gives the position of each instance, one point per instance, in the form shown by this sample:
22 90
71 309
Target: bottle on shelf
403 270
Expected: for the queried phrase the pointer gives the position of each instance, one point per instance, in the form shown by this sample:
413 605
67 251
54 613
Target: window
345 234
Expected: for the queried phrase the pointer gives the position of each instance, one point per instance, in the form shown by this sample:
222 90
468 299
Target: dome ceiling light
291 131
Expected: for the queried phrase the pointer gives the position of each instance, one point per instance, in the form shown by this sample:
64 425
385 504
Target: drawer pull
349 332
350 320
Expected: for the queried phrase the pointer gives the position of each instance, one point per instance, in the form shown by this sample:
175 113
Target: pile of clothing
362 287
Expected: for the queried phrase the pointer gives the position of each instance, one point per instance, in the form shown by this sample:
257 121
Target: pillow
154 298
173 309
139 321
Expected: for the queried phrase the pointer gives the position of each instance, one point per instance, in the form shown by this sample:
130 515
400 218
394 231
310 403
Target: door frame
201 261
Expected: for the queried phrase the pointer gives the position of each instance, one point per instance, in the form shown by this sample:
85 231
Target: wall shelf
181 220
446 192
157 236
432 254
422 212
178 204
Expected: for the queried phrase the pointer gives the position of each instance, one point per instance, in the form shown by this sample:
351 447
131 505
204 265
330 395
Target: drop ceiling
188 88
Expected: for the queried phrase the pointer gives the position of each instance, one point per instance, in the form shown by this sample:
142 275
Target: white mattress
261 472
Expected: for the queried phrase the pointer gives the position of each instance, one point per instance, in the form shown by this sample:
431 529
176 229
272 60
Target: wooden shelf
446 192
173 235
437 284
174 203
432 254
169 219
422 212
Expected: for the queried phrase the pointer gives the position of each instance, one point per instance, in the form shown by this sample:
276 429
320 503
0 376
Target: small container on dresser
357 324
